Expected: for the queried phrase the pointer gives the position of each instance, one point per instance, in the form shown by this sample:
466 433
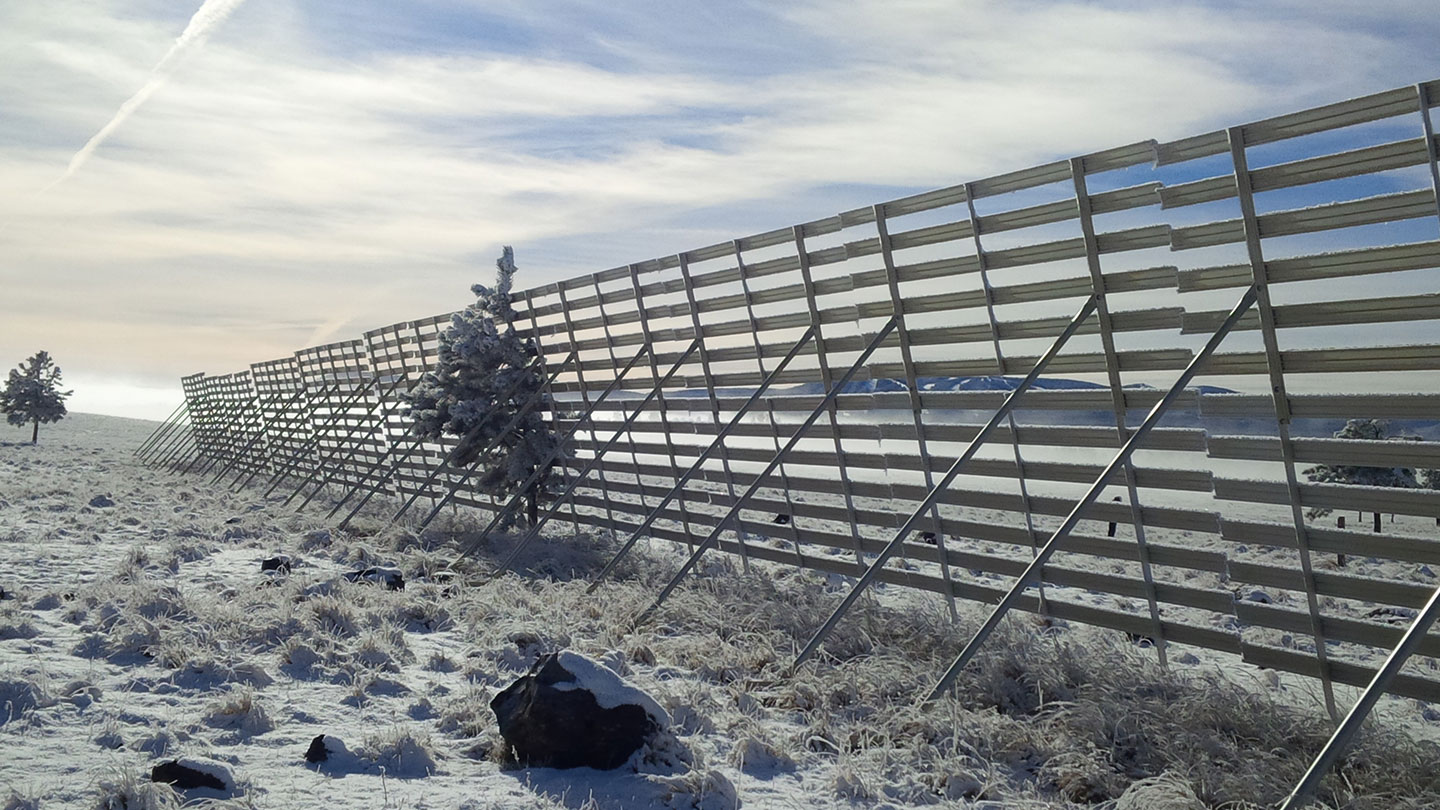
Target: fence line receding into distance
1322 224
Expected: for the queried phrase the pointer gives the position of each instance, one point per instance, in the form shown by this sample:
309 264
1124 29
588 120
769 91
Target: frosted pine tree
1372 430
486 376
32 394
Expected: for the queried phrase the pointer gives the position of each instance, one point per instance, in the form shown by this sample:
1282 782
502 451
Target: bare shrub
239 709
403 752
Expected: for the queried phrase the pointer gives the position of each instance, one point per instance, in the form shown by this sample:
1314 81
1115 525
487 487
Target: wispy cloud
300 171
210 14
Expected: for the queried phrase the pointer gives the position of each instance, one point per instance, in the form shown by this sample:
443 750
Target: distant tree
1430 479
483 380
1373 430
32 394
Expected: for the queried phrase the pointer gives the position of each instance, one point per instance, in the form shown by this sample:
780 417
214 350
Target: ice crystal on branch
487 390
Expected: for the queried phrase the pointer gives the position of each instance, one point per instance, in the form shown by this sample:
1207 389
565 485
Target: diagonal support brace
896 544
754 487
587 416
715 444
1032 571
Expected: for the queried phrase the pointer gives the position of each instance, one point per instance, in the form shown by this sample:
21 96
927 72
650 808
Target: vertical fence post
1117 394
789 526
1281 401
828 379
982 263
621 405
699 329
664 407
912 386
585 399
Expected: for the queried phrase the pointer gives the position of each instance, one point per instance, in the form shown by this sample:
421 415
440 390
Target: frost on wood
485 379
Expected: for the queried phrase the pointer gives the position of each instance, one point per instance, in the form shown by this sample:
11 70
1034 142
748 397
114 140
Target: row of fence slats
979 278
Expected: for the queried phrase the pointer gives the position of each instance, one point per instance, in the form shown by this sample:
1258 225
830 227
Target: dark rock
329 751
231 521
101 501
1393 615
279 563
185 777
391 578
316 752
929 537
781 520
1258 596
551 717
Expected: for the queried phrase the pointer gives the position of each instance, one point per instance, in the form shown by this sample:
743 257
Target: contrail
210 14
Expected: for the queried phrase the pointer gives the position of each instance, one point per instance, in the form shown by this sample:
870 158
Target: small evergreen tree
32 394
484 378
1374 430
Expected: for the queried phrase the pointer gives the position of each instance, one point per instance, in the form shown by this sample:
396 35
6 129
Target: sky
301 171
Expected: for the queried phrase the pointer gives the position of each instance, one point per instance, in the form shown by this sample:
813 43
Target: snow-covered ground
142 631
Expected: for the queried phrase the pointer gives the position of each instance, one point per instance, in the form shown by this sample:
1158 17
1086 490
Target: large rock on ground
570 711
195 773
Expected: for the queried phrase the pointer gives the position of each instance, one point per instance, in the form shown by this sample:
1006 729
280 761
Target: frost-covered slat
1425 306
1367 211
1332 583
1423 551
1329 361
1423 503
1341 671
1352 163
1354 452
1327 406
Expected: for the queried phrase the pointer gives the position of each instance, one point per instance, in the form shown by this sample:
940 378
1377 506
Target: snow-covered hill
140 631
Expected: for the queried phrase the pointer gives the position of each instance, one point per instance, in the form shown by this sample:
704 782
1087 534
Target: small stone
391 578
280 564
101 501
1393 614
1187 658
1431 714
1258 596
316 752
1426 571
232 521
